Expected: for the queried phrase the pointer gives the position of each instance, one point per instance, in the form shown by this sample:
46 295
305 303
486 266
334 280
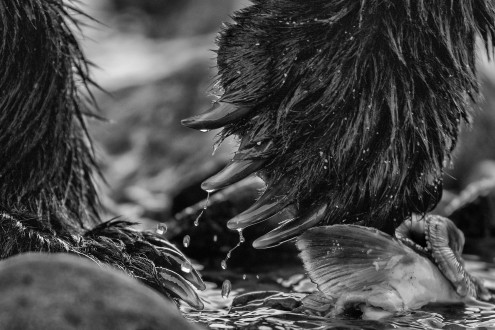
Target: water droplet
244 276
241 237
207 201
226 288
161 229
186 267
186 241
224 264
196 222
204 130
215 238
257 277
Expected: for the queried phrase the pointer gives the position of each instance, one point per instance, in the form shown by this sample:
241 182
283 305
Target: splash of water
226 288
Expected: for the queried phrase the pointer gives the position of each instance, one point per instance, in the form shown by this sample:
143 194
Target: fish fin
345 258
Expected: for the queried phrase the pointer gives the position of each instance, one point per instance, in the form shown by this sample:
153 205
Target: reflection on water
251 310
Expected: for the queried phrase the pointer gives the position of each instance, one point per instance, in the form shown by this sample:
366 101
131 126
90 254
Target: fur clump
46 167
48 199
355 105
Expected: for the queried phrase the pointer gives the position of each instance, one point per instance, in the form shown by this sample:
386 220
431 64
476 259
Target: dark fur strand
48 199
361 99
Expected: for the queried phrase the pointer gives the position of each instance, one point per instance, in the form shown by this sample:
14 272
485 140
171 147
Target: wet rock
62 291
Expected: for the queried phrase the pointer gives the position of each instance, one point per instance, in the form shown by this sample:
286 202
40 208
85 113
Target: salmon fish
362 269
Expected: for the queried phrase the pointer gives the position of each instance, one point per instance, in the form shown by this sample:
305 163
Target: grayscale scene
247 164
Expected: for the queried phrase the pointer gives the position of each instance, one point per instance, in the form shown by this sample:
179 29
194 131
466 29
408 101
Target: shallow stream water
243 309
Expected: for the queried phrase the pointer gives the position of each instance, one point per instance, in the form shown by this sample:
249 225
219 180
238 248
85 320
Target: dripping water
229 254
196 222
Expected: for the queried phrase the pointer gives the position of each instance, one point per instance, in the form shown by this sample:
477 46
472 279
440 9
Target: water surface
287 286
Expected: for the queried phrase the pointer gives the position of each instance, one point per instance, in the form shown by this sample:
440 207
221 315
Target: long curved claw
180 288
270 203
177 260
232 173
290 229
219 115
171 256
244 163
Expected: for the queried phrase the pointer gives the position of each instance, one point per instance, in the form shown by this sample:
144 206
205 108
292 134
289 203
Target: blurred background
155 59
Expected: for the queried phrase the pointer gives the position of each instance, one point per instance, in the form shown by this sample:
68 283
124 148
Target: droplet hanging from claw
186 267
196 222
229 254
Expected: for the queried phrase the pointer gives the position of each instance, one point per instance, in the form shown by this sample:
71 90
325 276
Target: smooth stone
63 291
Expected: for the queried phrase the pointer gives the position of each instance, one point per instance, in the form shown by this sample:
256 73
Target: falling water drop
196 222
161 229
207 200
215 238
241 237
244 277
224 264
186 241
226 288
186 267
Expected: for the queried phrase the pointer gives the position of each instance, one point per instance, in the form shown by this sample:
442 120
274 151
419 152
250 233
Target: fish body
360 268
